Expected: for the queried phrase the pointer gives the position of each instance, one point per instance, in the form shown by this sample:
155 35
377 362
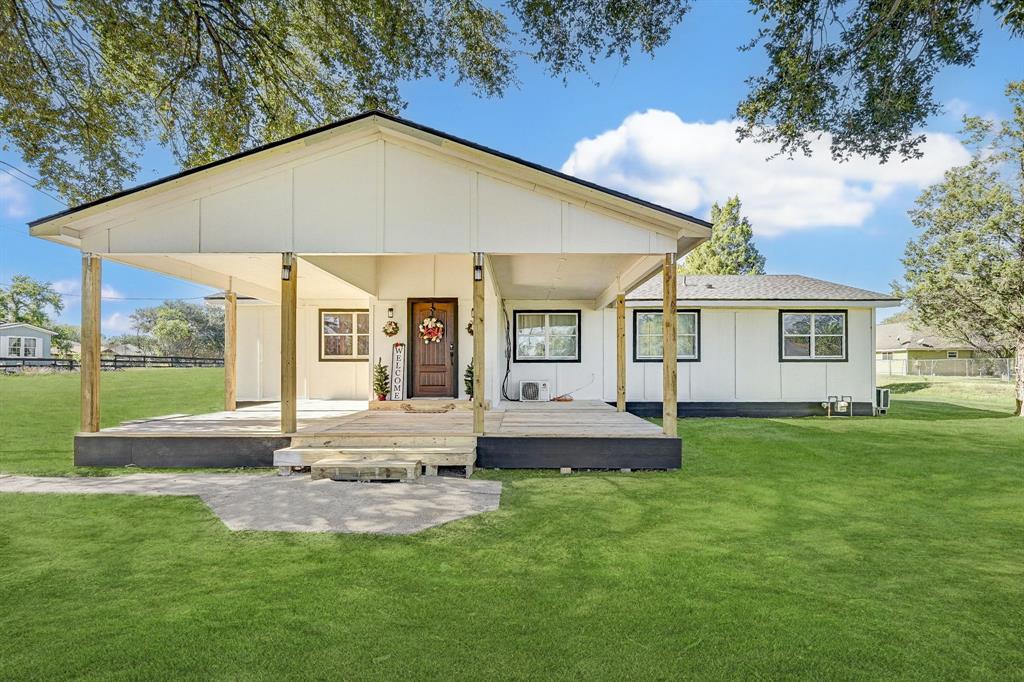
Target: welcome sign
398 372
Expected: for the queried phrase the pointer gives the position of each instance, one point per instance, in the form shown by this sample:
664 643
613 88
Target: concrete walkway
295 503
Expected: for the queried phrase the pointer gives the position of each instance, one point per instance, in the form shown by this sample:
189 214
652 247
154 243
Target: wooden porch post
90 360
230 350
289 296
668 349
620 352
479 362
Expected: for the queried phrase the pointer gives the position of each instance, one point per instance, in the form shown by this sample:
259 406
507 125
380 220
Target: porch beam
289 301
669 363
90 361
230 350
620 352
479 366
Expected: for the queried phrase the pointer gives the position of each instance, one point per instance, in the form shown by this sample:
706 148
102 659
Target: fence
1000 368
111 362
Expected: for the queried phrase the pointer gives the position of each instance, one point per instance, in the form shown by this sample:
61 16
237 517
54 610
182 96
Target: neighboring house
903 341
326 237
124 349
24 341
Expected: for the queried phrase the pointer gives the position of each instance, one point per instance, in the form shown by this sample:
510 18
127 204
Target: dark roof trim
353 119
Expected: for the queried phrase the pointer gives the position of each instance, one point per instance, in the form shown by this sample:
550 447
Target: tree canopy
28 300
180 328
965 271
731 249
87 83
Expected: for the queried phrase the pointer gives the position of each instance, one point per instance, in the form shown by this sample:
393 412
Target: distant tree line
178 328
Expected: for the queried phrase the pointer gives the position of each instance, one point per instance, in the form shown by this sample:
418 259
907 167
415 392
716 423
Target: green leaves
30 301
859 71
87 83
965 271
731 249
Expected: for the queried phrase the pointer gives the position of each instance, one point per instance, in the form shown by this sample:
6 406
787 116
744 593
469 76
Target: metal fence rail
1000 368
112 362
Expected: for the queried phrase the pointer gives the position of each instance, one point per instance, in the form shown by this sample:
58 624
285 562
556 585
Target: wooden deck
579 434
582 418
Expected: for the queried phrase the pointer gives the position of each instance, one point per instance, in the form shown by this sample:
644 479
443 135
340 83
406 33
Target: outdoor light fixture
391 313
286 267
478 267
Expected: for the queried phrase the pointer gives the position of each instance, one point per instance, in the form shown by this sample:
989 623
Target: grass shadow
921 410
901 388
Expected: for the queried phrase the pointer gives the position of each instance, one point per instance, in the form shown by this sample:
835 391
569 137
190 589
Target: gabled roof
757 288
354 119
906 336
10 325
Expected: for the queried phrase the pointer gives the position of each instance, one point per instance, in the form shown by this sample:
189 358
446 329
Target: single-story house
20 340
906 341
379 239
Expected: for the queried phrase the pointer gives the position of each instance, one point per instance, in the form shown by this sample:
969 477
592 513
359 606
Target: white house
329 241
20 340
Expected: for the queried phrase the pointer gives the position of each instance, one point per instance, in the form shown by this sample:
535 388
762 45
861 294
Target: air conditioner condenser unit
534 391
882 400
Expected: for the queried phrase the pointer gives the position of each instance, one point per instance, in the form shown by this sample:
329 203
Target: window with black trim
547 335
648 335
344 335
812 335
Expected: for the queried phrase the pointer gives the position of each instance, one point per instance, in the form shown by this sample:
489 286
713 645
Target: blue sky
656 127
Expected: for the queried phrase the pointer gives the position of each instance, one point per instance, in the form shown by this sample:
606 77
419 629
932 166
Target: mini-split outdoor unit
882 400
534 391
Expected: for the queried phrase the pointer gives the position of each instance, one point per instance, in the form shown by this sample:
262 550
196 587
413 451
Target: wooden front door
432 365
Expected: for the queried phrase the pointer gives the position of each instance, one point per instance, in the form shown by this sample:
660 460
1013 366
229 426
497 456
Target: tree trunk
1020 375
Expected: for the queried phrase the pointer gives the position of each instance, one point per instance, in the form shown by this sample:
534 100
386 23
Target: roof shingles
756 288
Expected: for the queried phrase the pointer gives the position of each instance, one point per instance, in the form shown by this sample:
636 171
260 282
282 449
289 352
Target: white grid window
344 335
552 336
814 336
648 335
23 347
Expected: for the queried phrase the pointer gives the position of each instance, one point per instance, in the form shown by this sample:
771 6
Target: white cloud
687 166
73 287
118 323
13 197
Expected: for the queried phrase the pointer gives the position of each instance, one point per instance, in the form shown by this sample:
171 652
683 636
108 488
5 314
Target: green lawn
807 548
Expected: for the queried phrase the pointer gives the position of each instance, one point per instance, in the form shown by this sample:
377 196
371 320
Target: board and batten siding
367 195
421 276
740 362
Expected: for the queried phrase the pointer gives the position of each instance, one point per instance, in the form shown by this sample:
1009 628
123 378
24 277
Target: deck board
584 418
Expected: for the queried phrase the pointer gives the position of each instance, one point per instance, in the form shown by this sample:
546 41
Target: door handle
451 351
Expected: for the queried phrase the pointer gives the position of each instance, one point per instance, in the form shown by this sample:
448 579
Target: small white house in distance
19 340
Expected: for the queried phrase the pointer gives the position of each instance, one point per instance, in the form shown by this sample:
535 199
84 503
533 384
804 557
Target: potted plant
381 380
468 379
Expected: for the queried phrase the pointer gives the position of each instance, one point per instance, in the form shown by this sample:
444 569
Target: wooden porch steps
365 469
429 457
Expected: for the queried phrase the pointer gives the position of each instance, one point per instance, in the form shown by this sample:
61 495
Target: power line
27 183
126 298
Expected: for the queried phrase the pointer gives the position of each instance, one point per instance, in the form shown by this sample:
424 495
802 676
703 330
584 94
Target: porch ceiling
255 274
558 276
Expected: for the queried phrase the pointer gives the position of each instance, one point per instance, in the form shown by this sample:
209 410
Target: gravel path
295 503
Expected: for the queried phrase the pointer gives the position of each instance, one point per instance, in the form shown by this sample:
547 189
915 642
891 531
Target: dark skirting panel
538 452
742 409
181 451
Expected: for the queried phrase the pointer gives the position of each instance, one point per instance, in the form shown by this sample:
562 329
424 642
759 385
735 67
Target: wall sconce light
286 267
391 313
478 267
